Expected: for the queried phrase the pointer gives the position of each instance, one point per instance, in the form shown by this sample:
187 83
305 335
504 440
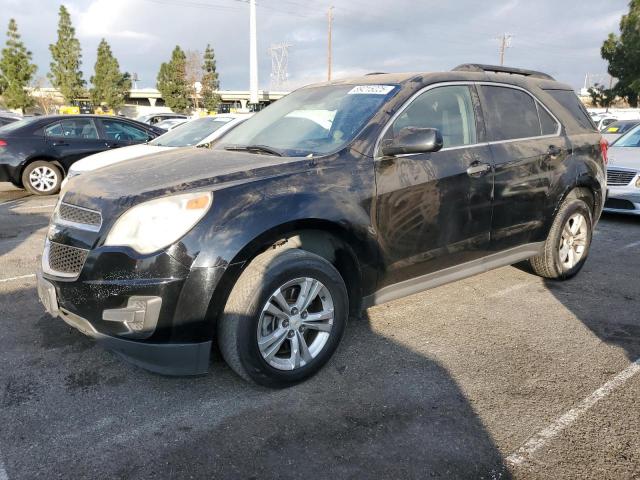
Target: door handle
60 144
478 169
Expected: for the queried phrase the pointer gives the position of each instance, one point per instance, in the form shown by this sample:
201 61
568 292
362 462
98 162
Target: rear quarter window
570 101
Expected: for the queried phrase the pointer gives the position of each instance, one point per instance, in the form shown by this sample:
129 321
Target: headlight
153 225
638 182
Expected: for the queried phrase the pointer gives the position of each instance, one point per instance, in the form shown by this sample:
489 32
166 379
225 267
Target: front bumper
623 200
175 340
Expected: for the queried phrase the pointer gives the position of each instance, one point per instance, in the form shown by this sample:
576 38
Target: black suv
337 197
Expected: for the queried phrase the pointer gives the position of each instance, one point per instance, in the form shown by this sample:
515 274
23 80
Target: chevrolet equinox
340 196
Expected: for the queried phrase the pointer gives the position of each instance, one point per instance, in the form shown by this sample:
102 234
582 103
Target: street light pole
253 54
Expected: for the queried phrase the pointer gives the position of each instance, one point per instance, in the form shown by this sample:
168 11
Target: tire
245 319
553 261
42 178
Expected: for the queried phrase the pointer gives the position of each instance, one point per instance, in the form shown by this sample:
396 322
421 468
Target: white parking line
544 436
11 279
513 288
631 245
9 202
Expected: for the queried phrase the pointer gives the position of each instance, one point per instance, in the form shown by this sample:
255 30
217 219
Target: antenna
279 65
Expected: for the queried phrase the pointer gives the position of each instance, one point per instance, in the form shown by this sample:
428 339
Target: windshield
310 121
191 133
629 139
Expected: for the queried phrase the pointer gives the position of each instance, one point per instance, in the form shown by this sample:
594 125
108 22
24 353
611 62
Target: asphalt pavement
503 375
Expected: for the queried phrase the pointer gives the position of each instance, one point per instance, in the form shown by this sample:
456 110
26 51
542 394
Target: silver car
623 174
611 132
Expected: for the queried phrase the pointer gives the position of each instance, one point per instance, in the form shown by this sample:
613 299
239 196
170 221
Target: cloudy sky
561 37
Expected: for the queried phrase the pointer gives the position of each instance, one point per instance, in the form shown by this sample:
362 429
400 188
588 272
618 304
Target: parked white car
171 123
623 174
194 133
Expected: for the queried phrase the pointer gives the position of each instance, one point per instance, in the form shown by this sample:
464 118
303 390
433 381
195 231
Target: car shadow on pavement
377 410
608 273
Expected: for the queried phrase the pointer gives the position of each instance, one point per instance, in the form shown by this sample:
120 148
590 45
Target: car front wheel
284 318
42 178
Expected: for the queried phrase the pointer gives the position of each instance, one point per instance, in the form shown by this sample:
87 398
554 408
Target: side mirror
413 140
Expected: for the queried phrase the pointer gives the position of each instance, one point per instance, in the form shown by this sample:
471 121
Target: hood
625 157
110 157
179 169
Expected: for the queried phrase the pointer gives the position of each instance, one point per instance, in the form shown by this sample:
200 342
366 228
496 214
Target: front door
73 138
434 209
121 134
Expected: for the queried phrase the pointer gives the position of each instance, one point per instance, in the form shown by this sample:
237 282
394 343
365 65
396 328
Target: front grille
66 259
619 177
78 215
619 204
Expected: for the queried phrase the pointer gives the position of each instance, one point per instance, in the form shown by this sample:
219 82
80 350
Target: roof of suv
466 72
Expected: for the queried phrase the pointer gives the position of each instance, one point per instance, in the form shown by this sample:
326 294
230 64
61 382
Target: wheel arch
321 237
43 158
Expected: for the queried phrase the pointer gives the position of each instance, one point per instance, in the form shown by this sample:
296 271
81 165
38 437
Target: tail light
604 149
3 143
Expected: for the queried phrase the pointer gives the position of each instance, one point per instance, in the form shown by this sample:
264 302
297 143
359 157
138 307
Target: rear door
527 147
73 138
434 209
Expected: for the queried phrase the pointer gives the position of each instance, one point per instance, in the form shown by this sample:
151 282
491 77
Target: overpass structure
146 100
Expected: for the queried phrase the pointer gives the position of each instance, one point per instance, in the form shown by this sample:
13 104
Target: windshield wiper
254 148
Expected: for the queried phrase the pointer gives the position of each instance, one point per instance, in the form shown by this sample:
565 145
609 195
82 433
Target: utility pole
505 42
329 47
253 54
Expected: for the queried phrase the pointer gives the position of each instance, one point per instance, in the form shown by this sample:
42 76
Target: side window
78 128
547 122
449 109
569 100
510 114
121 131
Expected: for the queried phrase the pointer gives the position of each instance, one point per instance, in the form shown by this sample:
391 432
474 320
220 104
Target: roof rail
476 67
375 73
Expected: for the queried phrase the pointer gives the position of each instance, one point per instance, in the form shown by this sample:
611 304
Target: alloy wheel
573 241
43 179
295 323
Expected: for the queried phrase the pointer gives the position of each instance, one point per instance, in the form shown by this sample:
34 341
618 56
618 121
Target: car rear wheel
284 318
567 246
42 178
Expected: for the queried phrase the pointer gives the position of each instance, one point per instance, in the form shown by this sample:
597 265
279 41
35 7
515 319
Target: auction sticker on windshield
371 90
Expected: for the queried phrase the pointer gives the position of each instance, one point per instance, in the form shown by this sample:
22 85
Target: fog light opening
140 315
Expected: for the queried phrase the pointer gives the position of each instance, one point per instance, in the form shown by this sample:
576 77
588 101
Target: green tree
601 96
623 54
172 81
65 72
110 86
16 70
210 83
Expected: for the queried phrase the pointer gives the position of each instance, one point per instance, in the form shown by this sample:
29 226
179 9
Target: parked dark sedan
36 153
